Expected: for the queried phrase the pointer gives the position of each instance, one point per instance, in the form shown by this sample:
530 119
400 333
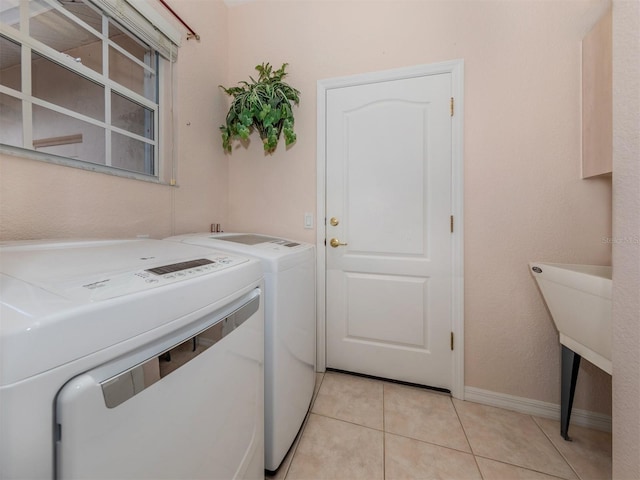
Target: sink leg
570 366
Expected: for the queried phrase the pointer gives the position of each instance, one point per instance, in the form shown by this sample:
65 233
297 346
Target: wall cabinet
597 99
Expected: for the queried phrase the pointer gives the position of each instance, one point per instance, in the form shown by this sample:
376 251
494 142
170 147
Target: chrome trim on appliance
123 386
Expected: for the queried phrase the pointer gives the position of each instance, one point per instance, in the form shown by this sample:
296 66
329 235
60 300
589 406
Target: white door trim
456 69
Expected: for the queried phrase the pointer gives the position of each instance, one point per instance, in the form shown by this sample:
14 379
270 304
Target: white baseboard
582 418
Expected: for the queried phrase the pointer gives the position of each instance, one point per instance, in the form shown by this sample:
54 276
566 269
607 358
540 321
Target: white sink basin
579 299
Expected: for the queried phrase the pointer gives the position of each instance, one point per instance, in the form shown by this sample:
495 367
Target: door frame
456 69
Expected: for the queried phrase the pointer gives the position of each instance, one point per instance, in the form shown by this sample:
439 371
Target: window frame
161 70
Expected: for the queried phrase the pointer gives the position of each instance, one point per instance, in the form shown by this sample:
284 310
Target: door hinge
451 223
451 105
451 340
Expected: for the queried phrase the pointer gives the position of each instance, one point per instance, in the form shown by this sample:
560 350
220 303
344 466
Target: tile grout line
464 430
440 445
384 439
521 467
347 421
512 464
296 442
555 447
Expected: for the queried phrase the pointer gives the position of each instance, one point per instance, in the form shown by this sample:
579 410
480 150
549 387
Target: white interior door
389 202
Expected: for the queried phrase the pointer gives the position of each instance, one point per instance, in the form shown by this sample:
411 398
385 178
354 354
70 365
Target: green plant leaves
245 118
265 105
289 134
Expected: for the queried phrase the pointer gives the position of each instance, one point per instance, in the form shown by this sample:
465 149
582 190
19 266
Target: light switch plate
308 220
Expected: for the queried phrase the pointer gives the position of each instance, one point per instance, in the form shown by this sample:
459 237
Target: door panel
389 186
375 299
381 216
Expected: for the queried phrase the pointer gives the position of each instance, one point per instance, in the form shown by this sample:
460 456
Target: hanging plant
266 105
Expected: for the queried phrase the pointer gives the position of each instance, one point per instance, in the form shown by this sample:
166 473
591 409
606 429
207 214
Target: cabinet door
597 109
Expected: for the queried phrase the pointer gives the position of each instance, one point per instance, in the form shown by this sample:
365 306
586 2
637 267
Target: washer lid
61 301
88 271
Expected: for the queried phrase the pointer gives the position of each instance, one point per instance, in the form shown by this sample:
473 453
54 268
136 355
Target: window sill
69 162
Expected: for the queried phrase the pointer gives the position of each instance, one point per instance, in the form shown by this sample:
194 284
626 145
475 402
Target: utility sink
579 300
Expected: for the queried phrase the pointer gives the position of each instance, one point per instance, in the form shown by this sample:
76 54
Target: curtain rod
191 33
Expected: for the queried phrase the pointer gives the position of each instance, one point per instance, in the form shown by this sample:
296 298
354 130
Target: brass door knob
334 242
334 221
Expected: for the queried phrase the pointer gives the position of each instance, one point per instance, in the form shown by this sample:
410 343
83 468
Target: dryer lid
255 239
276 254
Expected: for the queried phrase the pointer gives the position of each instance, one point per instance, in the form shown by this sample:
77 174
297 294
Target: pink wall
524 199
626 233
40 200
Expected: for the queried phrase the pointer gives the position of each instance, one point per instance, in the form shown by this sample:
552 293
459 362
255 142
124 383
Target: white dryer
130 359
290 326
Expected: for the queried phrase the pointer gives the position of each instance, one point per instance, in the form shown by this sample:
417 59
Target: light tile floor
361 428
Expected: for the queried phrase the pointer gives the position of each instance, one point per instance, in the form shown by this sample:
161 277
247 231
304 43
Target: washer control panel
131 282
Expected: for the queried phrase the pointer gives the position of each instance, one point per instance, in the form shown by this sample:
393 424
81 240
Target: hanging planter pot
264 104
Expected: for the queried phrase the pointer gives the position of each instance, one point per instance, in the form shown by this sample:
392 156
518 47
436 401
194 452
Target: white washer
98 373
290 326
